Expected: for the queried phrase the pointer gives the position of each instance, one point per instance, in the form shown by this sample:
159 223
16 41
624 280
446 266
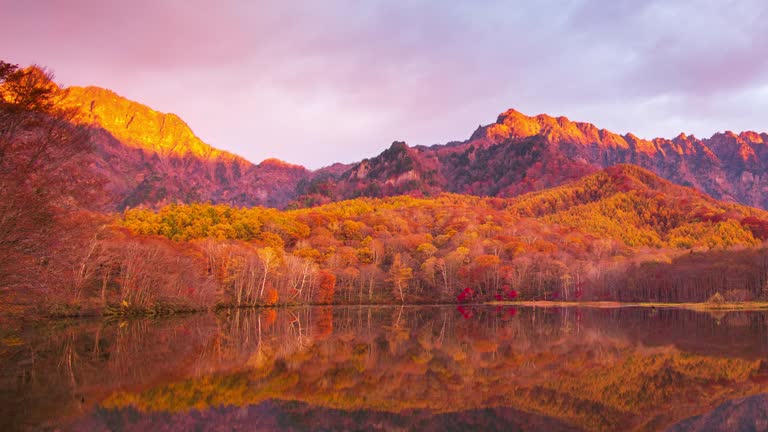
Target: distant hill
633 205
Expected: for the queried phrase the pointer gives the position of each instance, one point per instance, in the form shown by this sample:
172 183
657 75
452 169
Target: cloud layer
339 80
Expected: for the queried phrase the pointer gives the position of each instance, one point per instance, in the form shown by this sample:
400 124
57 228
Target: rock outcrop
151 158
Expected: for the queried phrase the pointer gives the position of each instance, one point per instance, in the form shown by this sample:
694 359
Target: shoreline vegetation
696 306
63 312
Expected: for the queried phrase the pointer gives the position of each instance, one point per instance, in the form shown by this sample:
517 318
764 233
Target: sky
317 82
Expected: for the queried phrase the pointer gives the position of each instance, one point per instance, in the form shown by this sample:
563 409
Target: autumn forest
620 233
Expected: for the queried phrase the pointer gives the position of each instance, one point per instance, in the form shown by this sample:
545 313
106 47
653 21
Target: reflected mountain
740 415
297 416
387 368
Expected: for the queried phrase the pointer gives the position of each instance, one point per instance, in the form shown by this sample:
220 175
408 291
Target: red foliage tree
326 286
271 297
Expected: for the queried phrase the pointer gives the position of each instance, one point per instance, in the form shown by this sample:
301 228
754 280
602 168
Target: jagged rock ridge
519 154
151 158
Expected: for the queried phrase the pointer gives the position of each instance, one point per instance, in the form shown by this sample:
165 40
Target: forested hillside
573 242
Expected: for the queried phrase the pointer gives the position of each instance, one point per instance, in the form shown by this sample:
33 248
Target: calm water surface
391 368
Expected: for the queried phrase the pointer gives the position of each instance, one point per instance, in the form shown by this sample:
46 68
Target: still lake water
391 368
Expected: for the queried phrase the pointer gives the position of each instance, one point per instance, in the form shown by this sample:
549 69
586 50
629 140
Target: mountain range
150 158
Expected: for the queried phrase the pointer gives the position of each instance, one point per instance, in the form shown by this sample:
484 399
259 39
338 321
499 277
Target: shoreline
66 312
170 311
702 306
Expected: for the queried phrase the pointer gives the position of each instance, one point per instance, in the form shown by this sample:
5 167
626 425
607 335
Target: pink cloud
318 82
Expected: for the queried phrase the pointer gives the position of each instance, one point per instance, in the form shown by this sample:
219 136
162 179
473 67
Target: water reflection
384 368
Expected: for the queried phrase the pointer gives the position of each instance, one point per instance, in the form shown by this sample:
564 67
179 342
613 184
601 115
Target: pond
391 368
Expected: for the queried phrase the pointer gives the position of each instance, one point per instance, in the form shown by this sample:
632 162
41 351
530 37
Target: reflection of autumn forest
618 234
590 368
